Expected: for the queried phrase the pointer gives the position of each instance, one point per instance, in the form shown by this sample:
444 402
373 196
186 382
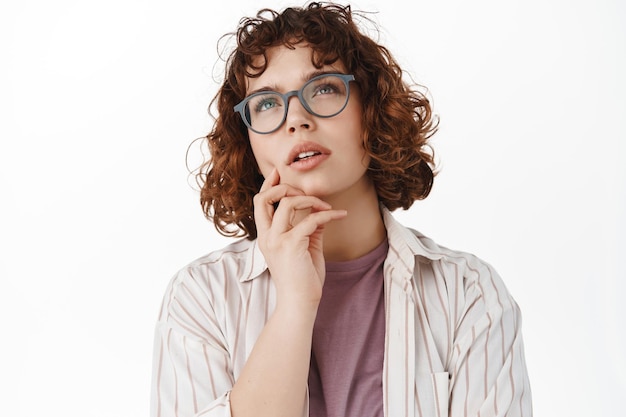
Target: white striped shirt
453 343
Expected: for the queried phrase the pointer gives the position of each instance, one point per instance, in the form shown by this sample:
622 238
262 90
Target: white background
100 100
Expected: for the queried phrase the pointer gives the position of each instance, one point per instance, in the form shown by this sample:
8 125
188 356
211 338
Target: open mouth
306 155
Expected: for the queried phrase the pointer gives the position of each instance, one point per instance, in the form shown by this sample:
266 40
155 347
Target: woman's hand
291 239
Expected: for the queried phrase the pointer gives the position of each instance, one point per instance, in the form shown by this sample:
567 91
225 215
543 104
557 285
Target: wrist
297 308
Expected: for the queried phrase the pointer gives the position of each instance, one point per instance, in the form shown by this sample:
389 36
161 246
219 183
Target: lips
306 151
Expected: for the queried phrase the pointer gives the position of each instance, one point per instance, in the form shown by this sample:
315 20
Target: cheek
262 154
353 122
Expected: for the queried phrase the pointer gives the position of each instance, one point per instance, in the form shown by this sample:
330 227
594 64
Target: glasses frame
241 107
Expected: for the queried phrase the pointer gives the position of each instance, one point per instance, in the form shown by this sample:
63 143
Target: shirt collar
255 264
408 241
404 245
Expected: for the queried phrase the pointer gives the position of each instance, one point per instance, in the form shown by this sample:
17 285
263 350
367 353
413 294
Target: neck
360 232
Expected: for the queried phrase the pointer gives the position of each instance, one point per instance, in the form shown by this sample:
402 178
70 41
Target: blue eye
325 86
326 89
265 103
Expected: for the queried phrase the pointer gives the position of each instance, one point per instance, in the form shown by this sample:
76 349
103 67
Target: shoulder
229 261
472 265
217 265
210 279
406 242
455 270
476 278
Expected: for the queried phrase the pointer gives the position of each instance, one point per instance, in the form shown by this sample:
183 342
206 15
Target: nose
298 118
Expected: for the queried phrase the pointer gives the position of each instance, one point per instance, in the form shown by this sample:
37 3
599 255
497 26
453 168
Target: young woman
329 307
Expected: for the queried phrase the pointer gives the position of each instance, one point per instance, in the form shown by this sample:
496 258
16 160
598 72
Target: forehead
288 68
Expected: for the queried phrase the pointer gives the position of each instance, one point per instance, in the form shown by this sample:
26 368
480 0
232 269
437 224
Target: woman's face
320 156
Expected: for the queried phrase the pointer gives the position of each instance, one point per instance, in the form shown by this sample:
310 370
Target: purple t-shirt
345 377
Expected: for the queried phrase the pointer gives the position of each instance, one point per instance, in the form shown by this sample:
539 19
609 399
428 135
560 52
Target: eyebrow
306 78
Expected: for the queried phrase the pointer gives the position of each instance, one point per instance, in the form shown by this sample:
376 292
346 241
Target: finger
263 214
285 217
265 200
311 223
271 180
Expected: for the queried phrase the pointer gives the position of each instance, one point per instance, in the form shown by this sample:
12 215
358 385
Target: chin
314 186
316 190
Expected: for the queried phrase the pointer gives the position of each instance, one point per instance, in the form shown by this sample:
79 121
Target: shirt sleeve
488 375
191 373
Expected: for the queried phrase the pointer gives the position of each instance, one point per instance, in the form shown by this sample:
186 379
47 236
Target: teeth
308 154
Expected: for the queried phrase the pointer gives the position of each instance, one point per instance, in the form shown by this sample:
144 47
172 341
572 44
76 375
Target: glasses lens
323 96
265 111
326 96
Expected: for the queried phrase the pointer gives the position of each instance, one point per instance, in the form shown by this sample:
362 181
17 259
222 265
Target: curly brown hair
397 119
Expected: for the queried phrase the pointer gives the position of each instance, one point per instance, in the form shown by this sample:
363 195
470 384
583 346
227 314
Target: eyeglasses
323 96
